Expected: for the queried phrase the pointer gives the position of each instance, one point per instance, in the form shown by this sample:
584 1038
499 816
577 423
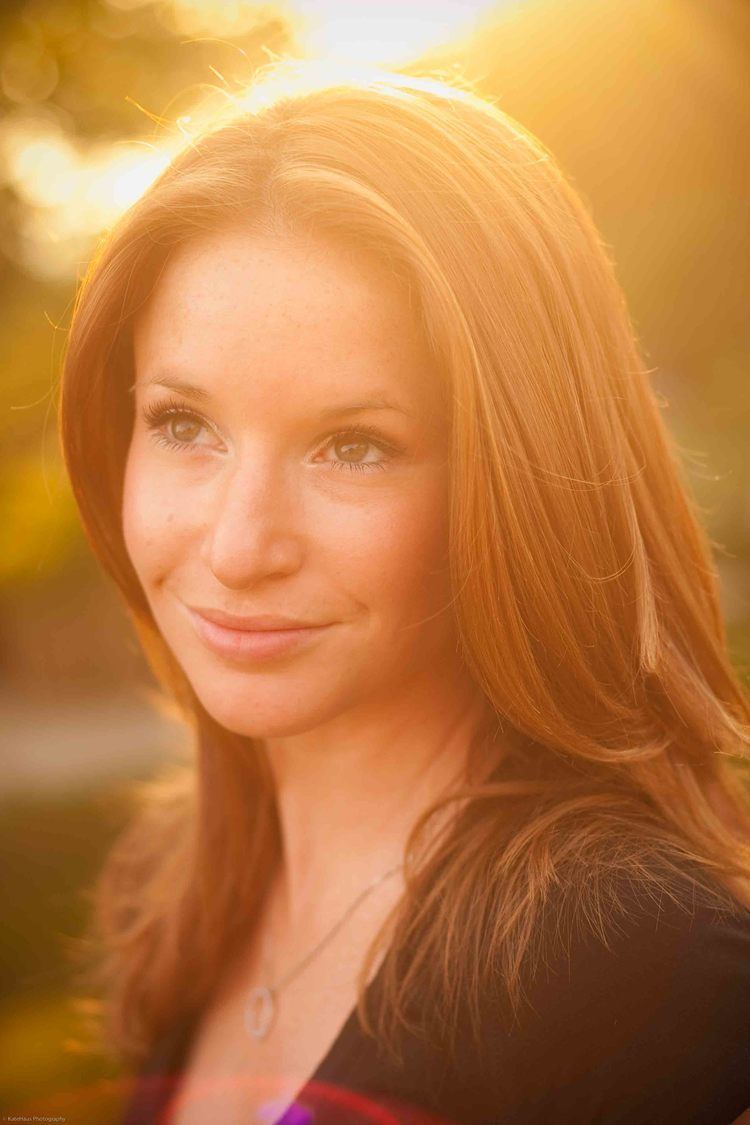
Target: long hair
583 587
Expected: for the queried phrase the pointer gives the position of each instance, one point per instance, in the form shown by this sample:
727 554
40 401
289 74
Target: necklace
260 1006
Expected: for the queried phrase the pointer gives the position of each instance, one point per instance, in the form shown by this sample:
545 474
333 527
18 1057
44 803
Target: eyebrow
189 390
198 394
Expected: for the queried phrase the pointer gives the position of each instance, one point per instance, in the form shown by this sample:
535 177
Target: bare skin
257 510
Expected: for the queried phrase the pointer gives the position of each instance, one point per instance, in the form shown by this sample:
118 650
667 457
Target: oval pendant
259 1011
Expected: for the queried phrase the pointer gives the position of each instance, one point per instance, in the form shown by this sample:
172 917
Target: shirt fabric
652 1027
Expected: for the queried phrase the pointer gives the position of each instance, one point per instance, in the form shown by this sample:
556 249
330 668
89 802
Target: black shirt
652 1027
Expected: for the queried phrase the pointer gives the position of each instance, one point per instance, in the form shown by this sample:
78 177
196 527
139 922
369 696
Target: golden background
646 106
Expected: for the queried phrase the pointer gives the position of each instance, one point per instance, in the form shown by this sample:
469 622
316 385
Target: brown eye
184 428
349 450
363 450
174 427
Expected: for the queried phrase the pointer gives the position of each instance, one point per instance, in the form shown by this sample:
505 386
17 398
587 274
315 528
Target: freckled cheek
156 526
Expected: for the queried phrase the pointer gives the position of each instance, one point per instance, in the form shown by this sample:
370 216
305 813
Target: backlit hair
584 590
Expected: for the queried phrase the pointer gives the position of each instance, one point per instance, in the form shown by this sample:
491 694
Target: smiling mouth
252 645
256 623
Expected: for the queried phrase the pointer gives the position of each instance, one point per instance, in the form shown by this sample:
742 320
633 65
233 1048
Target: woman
356 421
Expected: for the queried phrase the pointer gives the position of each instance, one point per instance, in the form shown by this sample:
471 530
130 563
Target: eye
362 450
185 425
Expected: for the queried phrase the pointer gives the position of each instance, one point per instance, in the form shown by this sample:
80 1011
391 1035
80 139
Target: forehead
281 316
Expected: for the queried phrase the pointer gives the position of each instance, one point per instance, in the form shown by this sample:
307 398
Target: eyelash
156 414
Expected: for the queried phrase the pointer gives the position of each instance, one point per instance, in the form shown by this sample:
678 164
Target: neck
350 791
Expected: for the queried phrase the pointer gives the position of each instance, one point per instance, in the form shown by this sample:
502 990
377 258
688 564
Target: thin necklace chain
331 933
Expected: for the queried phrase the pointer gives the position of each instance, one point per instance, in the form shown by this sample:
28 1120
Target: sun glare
390 32
75 188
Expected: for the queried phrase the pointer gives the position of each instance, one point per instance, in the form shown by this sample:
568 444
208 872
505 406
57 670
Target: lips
269 636
257 623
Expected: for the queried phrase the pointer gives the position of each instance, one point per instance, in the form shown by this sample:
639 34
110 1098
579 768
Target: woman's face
288 459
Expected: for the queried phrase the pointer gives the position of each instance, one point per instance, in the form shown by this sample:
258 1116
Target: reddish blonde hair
584 592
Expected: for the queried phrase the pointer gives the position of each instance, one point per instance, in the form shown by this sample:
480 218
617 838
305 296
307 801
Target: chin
252 713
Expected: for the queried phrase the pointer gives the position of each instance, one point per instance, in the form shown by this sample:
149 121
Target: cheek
394 555
150 519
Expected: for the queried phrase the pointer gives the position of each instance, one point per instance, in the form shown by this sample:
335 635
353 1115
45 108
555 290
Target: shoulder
654 942
648 1021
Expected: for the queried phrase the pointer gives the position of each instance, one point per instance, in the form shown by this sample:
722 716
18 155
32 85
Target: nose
252 530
